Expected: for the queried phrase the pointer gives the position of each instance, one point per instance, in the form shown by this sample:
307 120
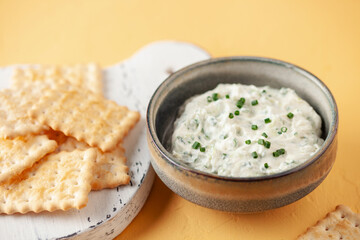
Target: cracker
59 181
21 153
110 170
84 76
339 224
57 136
14 120
85 116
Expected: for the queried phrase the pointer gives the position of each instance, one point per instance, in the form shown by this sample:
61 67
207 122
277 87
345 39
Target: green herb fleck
209 99
248 142
235 142
264 91
254 154
196 145
227 96
231 115
276 154
264 134
290 115
267 144
282 151
240 103
267 120
279 132
254 127
202 149
237 112
261 141
254 102
279 152
284 129
266 165
215 96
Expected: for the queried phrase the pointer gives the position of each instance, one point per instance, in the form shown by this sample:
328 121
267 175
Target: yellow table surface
320 36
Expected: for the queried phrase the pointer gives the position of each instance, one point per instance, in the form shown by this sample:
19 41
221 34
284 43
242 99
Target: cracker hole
342 216
327 229
341 237
356 225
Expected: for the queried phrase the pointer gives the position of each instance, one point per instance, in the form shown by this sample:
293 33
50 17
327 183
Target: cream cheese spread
244 131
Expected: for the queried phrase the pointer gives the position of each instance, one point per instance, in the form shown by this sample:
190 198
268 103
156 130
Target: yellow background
320 36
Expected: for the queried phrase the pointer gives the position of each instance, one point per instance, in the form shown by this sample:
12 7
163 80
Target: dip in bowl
239 193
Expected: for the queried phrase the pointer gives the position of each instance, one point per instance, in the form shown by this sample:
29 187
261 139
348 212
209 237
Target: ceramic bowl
239 194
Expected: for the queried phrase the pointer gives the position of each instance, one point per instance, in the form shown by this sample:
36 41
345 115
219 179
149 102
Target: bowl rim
166 155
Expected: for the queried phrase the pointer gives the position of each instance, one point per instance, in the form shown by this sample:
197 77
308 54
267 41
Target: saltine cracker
59 181
85 116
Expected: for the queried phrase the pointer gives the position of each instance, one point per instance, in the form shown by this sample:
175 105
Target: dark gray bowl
250 194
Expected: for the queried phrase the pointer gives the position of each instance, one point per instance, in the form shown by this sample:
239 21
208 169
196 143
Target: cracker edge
322 222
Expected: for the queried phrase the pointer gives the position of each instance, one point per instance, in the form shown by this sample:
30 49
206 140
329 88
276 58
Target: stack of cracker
59 139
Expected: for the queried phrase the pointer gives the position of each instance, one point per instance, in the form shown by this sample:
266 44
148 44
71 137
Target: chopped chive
209 99
267 120
215 96
231 115
248 142
240 103
254 127
290 115
261 141
255 102
267 144
279 152
284 129
264 134
279 132
196 145
264 91
276 154
254 154
202 149
237 112
266 165
227 96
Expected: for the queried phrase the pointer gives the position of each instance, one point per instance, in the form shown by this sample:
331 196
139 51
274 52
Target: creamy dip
243 131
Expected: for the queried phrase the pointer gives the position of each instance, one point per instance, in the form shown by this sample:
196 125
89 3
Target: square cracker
14 120
59 181
110 169
85 116
86 76
339 224
21 153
